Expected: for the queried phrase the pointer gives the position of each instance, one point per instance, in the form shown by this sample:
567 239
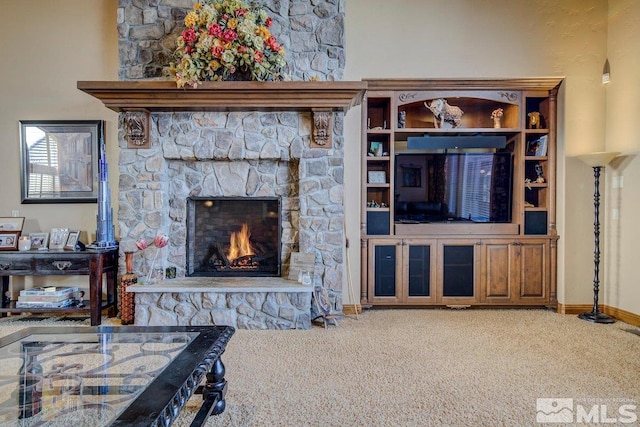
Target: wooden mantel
156 95
319 98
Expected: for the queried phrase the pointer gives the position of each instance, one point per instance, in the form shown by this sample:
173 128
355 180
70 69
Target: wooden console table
93 263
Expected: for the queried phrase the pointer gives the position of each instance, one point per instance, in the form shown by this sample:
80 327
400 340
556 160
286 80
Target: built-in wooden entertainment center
458 192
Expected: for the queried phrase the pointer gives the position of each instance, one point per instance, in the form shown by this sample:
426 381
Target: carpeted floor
425 367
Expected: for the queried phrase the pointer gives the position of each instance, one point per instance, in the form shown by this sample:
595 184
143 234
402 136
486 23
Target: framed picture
11 223
9 240
377 177
72 240
541 149
58 238
39 240
376 149
59 160
411 176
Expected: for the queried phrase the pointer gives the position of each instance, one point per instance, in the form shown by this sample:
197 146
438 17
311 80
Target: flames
240 245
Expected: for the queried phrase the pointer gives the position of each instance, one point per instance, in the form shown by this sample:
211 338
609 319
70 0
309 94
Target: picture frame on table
9 240
13 223
58 238
39 240
59 160
72 240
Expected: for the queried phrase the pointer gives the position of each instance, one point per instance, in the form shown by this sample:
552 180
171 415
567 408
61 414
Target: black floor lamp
597 161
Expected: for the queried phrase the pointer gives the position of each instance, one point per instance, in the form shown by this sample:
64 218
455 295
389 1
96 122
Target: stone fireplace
261 151
232 140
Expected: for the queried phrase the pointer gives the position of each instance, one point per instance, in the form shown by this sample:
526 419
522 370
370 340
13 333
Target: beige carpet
426 367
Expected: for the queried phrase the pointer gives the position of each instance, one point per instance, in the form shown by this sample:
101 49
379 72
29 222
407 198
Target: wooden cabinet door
385 270
418 271
497 271
458 272
533 272
515 272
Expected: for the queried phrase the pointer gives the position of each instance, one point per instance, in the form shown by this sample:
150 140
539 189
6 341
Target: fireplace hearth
233 236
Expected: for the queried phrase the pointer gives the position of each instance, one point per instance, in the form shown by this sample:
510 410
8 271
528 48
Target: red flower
258 57
188 49
216 51
241 12
269 22
215 30
229 35
189 36
273 44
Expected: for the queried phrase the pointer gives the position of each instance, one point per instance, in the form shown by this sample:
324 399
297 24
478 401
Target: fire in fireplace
233 236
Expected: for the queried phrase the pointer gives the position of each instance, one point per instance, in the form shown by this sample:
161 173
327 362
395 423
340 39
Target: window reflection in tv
473 187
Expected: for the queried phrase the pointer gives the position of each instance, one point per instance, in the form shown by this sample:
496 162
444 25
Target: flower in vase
161 241
141 244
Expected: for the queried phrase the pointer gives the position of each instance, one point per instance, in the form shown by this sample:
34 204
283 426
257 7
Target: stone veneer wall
234 154
239 154
311 31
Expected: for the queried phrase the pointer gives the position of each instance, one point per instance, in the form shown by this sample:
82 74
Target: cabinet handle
517 243
61 265
5 265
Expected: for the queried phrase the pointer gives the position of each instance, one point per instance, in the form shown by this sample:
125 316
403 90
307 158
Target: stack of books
47 297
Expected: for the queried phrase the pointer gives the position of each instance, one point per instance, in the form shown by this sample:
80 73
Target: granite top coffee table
110 376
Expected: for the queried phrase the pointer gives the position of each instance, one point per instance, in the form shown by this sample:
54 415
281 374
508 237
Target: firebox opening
233 236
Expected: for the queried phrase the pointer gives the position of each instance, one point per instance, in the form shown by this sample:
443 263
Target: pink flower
161 240
229 35
215 30
189 36
141 244
258 56
241 12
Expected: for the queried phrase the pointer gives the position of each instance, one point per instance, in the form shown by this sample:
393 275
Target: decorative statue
540 178
534 120
445 113
496 115
402 117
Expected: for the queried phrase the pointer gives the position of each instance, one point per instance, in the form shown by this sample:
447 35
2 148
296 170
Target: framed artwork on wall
59 160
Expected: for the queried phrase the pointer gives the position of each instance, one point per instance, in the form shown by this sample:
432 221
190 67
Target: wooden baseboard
352 309
618 313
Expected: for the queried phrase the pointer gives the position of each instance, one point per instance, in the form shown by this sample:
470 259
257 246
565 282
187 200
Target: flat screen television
437 187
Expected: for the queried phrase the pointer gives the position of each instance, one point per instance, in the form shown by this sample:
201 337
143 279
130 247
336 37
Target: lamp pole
597 161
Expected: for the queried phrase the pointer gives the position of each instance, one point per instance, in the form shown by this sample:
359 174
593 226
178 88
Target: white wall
620 285
47 46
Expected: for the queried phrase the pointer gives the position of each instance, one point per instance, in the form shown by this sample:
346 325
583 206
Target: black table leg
213 394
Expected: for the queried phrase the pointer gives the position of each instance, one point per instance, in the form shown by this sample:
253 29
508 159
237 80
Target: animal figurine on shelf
534 120
444 113
496 115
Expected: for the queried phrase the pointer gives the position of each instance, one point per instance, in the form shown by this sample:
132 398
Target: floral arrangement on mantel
227 40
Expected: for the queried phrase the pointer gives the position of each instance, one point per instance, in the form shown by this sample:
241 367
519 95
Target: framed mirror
59 161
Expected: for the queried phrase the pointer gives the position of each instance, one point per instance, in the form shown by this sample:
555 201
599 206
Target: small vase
127 301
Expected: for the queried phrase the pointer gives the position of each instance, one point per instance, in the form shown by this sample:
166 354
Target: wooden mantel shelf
156 95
